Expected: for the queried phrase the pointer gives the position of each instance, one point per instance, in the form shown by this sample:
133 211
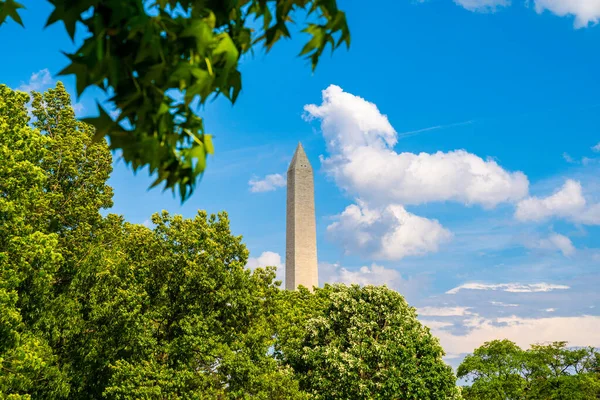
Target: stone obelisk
301 231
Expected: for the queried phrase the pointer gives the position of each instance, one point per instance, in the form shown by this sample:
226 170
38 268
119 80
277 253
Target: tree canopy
352 342
95 307
92 306
160 60
502 370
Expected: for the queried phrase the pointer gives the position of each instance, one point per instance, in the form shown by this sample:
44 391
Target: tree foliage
94 307
502 370
348 342
143 53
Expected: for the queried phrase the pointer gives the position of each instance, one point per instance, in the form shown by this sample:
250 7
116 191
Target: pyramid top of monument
300 159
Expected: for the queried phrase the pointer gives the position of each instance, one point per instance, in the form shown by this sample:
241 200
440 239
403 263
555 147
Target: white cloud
267 184
501 304
568 202
482 5
596 148
362 161
585 161
443 311
550 309
78 108
38 81
553 242
388 233
268 259
432 324
509 287
578 331
42 80
373 275
584 11
567 157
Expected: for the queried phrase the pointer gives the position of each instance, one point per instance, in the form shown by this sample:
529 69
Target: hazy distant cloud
388 233
584 11
443 311
501 304
267 184
596 148
578 331
567 157
482 5
553 242
362 161
509 287
38 81
568 202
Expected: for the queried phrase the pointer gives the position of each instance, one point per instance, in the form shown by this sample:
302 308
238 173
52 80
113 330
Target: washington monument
301 231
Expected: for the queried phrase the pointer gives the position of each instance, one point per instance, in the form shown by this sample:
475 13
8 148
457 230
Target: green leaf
208 143
226 50
8 8
103 123
139 52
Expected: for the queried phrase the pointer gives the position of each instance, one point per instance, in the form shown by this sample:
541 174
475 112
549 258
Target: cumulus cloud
388 233
42 80
362 161
578 331
373 275
268 184
38 81
596 148
553 242
443 311
584 11
509 287
482 5
567 202
268 259
432 324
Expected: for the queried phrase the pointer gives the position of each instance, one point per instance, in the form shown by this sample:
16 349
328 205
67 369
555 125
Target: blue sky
453 149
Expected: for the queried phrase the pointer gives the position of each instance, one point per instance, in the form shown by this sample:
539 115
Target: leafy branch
160 60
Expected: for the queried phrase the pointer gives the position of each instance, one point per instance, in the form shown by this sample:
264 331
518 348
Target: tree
501 370
348 342
142 53
52 182
93 307
173 313
496 370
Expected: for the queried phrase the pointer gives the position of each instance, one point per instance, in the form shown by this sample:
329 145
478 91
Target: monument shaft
301 232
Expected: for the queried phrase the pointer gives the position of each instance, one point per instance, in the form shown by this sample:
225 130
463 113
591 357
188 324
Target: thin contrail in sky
432 128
